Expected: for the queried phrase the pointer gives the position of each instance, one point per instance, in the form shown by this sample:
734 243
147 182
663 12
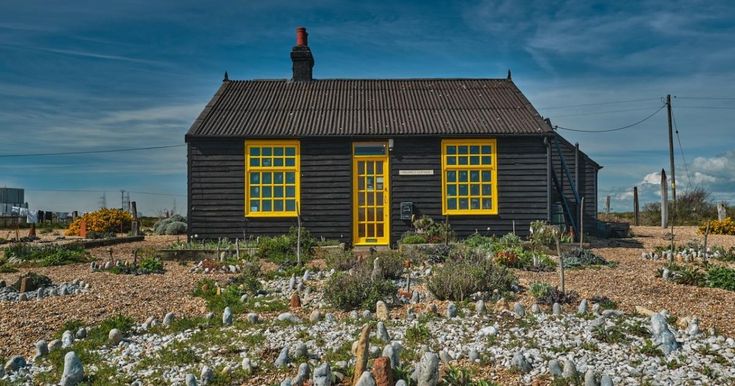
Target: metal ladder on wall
569 215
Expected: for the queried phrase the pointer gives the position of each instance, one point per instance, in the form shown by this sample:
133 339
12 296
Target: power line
706 98
598 103
617 128
601 112
91 151
681 149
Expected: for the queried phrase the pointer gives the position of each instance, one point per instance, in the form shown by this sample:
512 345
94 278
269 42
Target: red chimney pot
302 38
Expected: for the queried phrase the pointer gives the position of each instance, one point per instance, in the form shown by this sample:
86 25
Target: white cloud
652 179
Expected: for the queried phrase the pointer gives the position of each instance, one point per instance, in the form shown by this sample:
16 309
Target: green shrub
160 226
349 292
342 261
581 257
546 294
479 241
411 237
542 234
433 232
391 263
721 277
458 279
687 275
282 249
151 264
540 289
48 255
175 228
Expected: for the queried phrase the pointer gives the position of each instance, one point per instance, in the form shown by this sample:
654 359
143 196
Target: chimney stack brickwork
303 60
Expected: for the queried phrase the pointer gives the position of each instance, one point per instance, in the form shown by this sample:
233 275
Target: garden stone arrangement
36 287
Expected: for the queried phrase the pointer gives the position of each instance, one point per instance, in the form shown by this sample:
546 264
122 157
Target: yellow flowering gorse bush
102 221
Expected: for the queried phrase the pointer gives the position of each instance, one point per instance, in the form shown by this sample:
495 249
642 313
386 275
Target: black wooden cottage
357 158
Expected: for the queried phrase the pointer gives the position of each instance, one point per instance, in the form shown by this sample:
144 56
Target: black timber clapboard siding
216 188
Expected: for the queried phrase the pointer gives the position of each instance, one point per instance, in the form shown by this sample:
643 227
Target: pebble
252 317
451 310
227 317
191 380
556 309
73 370
168 319
114 337
41 349
67 339
14 364
282 359
322 375
570 370
519 310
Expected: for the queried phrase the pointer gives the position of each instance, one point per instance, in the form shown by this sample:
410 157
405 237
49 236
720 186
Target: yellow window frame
492 168
296 169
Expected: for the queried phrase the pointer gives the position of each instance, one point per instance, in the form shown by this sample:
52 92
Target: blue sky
79 75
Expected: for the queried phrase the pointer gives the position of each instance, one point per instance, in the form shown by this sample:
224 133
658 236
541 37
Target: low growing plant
352 291
457 279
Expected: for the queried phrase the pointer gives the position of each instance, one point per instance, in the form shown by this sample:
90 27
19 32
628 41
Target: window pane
462 189
371 199
369 149
462 160
255 151
487 160
475 176
290 161
278 151
360 167
378 199
278 191
452 203
462 176
267 191
290 191
487 203
486 149
370 167
254 191
254 205
267 151
255 162
474 160
290 151
277 162
380 229
475 203
254 178
451 190
267 178
290 205
486 176
451 160
290 177
267 162
267 205
360 183
278 205
451 149
475 190
277 178
451 176
463 203
474 149
487 189
462 149
379 168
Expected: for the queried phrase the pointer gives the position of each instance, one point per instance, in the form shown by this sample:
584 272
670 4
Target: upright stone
14 364
207 375
555 368
73 370
393 351
295 301
570 370
428 370
556 309
377 273
227 316
605 380
282 359
191 380
589 378
519 363
519 310
381 310
382 332
302 375
662 335
582 309
535 308
480 308
41 349
67 339
114 337
322 375
365 379
292 283
451 310
168 319
362 352
382 371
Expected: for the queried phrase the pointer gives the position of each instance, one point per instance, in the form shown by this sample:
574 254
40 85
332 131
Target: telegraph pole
671 156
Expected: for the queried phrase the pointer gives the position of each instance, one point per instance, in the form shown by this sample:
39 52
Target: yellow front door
370 194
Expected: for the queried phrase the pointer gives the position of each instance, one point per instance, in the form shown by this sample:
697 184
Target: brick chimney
303 61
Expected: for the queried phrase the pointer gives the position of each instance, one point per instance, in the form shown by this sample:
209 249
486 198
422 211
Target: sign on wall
416 172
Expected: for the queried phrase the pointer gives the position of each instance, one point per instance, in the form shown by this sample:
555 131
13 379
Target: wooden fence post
664 200
636 211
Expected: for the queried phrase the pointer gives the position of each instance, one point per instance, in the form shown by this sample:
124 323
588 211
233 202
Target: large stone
606 380
114 337
315 316
480 308
451 310
227 317
583 307
168 319
361 352
73 370
365 379
41 349
67 339
535 308
252 317
295 301
247 365
473 355
300 351
662 335
445 357
14 364
81 333
382 371
302 375
381 310
428 370
393 351
54 345
292 283
556 309
570 370
693 327
283 359
382 332
207 375
289 317
322 375
400 382
191 380
519 311
589 378
377 273
555 368
519 363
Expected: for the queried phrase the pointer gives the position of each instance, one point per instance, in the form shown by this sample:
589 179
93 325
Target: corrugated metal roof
366 107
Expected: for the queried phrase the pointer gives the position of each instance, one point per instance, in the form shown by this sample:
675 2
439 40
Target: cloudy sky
82 75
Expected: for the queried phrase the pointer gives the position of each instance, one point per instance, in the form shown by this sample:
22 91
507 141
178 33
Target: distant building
10 197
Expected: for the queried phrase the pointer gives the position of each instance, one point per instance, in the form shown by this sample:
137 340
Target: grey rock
55 345
589 378
282 360
377 273
480 308
583 307
556 309
367 315
393 351
150 322
605 380
207 375
252 317
307 275
415 297
243 298
329 317
41 349
302 375
555 368
114 337
400 382
535 309
693 327
168 319
570 370
209 316
286 382
366 379
596 309
519 362
73 370
474 356
67 339
81 333
382 332
322 375
662 335
428 370
289 317
227 316
191 380
451 310
444 356
315 316
300 351
519 310
247 365
14 364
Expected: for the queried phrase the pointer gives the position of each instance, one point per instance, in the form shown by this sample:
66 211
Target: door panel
370 194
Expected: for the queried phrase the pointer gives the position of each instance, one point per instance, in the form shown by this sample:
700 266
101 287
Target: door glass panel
371 193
